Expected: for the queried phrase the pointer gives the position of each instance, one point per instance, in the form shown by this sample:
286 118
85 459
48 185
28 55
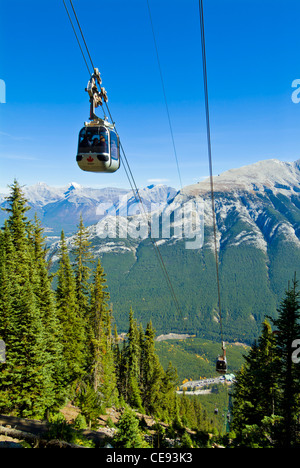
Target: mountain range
60 207
258 237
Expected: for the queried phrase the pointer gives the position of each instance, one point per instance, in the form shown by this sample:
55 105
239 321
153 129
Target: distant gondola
221 363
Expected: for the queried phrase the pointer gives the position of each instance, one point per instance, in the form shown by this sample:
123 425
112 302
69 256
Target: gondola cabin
221 365
98 147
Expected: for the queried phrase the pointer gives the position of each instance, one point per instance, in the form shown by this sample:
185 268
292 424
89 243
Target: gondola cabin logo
2 92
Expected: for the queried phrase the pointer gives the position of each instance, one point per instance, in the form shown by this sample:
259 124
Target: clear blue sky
252 58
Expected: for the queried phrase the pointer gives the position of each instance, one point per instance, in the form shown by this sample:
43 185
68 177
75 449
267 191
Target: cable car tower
98 143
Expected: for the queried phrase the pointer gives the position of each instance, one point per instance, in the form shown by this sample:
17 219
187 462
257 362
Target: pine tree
169 383
152 372
129 434
102 352
46 303
288 329
32 391
132 356
73 330
83 260
17 221
27 379
7 293
7 285
255 389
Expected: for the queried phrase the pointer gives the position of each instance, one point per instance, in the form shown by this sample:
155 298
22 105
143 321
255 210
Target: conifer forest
62 347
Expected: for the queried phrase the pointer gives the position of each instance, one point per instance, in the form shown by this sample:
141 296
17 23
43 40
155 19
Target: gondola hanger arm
96 97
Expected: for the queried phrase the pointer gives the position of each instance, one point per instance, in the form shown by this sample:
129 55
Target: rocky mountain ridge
258 232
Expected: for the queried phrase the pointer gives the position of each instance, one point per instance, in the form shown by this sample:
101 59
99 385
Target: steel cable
128 171
208 132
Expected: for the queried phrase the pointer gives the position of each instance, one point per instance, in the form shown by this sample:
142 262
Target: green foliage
28 380
129 434
101 364
266 396
61 430
80 422
59 343
73 336
83 260
49 335
90 402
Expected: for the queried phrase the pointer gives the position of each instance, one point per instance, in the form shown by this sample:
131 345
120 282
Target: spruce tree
7 294
169 383
27 378
132 358
7 286
32 392
17 220
152 372
288 329
73 329
102 365
46 303
129 434
255 388
82 267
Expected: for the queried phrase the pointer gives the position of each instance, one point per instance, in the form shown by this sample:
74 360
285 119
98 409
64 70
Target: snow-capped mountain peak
271 174
74 186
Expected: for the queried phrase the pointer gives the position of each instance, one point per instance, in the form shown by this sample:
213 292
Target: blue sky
252 59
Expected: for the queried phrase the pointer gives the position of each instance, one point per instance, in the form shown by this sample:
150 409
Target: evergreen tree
17 220
73 330
102 352
129 434
288 329
82 262
26 382
7 285
152 372
167 393
7 294
255 388
47 307
32 389
132 356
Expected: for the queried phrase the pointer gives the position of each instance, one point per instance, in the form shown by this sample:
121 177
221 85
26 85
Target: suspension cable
82 35
208 131
138 199
128 170
74 30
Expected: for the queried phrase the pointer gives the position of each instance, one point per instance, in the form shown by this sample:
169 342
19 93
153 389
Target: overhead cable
128 171
208 132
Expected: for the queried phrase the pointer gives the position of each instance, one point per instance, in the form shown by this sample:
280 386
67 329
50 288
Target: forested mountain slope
258 228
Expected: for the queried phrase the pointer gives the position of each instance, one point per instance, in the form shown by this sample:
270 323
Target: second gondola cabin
221 365
98 147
